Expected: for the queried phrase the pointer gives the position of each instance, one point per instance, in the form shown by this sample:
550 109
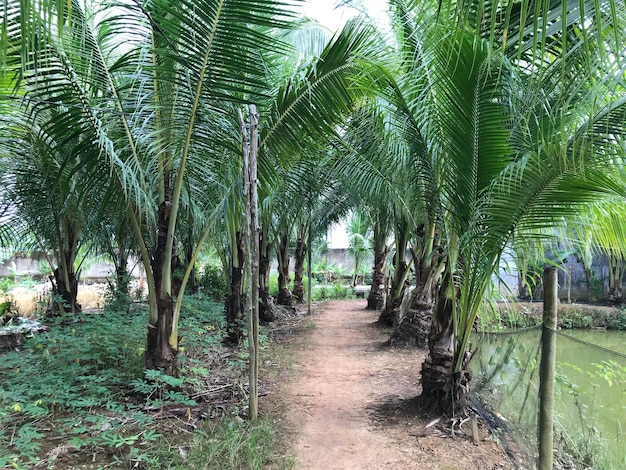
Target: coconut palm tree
155 109
44 187
359 237
517 158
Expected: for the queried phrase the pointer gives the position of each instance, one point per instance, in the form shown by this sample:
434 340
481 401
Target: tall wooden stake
546 371
310 268
250 150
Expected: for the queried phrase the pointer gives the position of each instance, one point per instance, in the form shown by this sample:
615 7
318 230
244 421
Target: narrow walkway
343 375
343 372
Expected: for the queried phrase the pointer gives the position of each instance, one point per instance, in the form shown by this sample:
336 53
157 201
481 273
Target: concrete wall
580 290
36 266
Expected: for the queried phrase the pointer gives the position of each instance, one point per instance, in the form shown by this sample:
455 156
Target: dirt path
351 403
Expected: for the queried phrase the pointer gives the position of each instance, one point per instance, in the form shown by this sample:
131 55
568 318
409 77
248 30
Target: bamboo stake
247 243
310 268
253 338
546 374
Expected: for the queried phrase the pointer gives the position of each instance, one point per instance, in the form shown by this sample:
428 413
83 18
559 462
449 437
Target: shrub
212 282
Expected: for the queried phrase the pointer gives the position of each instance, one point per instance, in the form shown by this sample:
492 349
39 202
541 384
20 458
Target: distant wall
580 290
36 266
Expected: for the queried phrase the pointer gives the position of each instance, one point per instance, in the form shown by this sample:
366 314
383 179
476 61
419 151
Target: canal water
590 407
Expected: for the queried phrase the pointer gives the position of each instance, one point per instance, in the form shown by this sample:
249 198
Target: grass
234 444
571 316
81 386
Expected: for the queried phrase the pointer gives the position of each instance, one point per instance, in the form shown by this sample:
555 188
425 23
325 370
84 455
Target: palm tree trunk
615 278
64 281
300 255
266 301
376 297
159 352
284 294
264 263
235 299
193 281
398 282
415 324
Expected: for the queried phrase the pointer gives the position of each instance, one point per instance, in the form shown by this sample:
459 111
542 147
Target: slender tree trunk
398 282
376 297
300 255
251 246
355 278
266 301
64 280
284 294
122 276
159 353
396 293
193 281
235 299
615 278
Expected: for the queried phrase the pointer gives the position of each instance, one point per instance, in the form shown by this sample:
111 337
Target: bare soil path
350 402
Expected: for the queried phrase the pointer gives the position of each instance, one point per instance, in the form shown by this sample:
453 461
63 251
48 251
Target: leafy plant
234 444
160 388
212 281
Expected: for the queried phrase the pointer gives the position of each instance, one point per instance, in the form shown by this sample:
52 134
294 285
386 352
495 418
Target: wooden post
546 371
254 229
249 138
310 268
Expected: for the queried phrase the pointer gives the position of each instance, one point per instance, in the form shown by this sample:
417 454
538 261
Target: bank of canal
591 391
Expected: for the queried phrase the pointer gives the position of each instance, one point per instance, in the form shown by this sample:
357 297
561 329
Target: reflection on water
590 407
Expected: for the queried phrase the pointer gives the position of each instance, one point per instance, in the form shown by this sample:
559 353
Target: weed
212 281
233 444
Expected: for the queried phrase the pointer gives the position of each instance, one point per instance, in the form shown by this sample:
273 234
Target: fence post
546 373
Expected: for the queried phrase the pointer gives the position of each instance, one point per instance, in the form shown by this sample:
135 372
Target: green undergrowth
78 392
570 316
320 291
234 444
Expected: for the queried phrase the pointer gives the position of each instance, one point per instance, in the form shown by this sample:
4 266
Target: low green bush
212 282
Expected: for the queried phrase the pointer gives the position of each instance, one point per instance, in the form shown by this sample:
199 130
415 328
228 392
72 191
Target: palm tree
44 181
516 158
163 112
359 237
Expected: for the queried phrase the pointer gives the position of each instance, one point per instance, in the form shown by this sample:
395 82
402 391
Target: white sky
325 12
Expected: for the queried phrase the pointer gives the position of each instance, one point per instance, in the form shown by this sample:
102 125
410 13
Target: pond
590 408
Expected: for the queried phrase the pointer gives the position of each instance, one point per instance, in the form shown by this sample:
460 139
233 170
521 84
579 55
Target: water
590 405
